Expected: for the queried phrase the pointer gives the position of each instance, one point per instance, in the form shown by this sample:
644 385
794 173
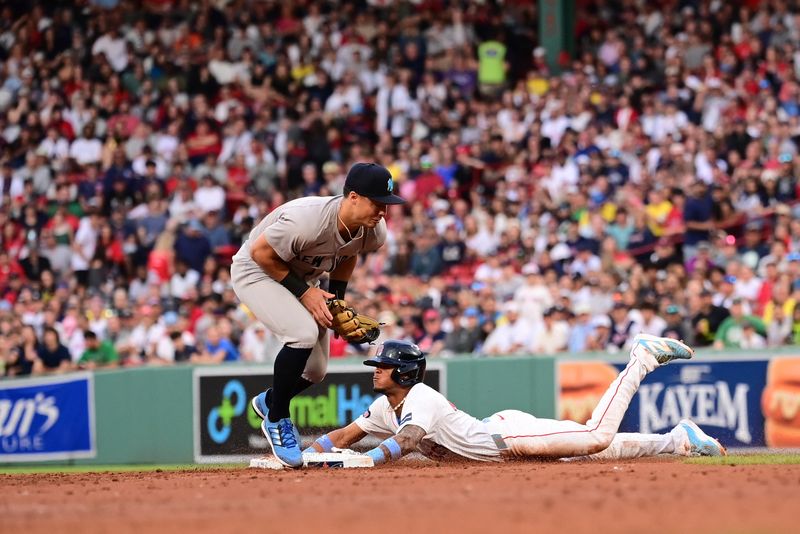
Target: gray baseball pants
283 314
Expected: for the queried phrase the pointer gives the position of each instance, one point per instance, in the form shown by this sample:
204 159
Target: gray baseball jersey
304 233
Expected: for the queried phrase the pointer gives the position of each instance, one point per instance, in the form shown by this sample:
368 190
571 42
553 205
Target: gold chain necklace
345 227
394 409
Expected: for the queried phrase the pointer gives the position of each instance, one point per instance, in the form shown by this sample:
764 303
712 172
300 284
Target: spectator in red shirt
12 239
109 249
8 268
427 183
202 142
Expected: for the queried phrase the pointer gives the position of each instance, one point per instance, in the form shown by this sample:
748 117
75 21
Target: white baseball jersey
305 234
447 429
512 433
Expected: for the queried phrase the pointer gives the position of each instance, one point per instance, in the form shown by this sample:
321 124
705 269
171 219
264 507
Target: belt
501 444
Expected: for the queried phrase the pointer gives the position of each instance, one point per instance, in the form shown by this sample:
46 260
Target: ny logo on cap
390 185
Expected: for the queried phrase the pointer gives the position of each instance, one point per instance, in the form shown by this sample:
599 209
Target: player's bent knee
594 449
304 337
314 375
601 442
316 369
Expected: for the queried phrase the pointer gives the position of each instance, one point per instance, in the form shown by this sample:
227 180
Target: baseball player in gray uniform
276 275
412 416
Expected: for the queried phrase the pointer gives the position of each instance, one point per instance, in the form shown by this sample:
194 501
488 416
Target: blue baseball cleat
700 443
664 349
281 438
260 406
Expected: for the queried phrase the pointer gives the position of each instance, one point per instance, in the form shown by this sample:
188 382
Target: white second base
266 462
317 459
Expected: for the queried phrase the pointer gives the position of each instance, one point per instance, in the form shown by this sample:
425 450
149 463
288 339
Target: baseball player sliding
276 275
412 416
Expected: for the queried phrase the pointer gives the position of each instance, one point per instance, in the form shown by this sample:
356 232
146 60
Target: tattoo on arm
408 439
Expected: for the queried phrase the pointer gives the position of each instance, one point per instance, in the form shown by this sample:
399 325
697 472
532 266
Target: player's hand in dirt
315 301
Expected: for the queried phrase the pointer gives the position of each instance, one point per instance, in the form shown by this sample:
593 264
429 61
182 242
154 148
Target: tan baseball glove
354 327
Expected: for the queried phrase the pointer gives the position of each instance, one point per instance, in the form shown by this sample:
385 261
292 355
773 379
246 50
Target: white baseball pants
519 434
633 445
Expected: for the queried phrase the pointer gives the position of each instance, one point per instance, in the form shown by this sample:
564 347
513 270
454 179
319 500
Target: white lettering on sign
16 418
705 404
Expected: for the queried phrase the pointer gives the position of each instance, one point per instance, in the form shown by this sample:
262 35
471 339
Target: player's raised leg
521 434
647 353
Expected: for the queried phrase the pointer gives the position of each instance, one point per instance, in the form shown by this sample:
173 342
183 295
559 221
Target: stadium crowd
647 183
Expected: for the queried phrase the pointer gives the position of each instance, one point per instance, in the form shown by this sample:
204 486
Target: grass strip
748 459
35 469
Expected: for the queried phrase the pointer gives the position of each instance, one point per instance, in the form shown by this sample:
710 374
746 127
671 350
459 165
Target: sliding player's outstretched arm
340 438
397 446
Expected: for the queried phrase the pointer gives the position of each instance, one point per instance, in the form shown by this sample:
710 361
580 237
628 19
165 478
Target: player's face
382 379
368 212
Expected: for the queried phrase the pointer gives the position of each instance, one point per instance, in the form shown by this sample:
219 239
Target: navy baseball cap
372 181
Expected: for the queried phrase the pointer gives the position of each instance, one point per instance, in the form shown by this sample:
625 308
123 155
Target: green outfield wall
176 415
485 386
149 415
144 415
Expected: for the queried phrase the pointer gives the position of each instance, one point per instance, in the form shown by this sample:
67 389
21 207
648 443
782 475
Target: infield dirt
651 495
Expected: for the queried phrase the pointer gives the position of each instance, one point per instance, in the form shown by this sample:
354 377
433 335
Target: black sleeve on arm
295 284
338 288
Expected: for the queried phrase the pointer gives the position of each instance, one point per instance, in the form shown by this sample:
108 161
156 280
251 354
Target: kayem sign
227 429
723 397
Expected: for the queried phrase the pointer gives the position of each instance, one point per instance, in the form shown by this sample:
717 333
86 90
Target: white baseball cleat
699 443
664 349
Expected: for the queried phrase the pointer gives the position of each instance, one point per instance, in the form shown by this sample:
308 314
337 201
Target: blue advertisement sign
47 418
723 397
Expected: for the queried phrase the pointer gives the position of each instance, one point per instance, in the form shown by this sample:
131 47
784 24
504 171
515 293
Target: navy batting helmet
406 358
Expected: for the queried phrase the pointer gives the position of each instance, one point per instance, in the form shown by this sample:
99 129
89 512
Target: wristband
337 287
295 284
325 442
379 457
394 448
